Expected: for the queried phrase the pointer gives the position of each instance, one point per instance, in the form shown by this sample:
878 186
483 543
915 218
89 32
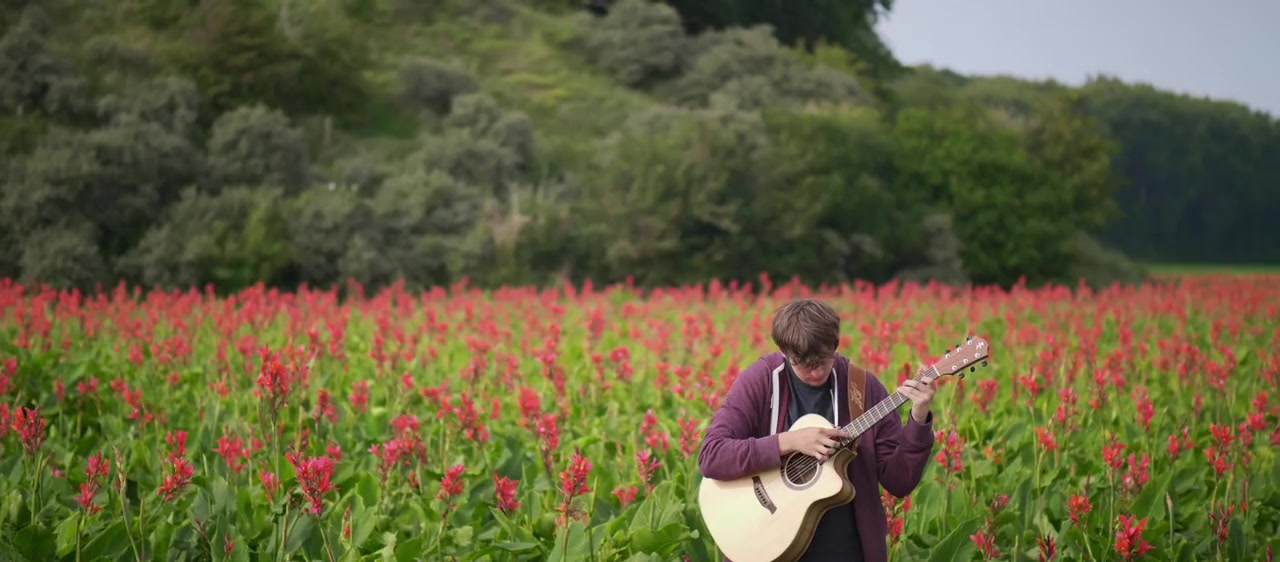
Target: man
807 376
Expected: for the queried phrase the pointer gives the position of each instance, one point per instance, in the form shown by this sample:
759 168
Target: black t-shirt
836 538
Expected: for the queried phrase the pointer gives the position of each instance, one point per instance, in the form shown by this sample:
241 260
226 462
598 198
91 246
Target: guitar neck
889 405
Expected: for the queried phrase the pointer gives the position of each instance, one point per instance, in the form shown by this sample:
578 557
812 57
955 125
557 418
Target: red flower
1078 505
1111 454
625 495
1048 548
645 465
573 483
1129 541
313 475
505 490
178 471
451 484
233 452
29 426
689 436
949 455
1045 436
986 544
96 473
269 483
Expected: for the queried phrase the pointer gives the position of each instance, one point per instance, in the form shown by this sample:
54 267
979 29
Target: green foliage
304 61
1201 175
665 193
231 240
518 142
750 67
639 43
430 85
1188 175
257 145
62 258
847 23
34 78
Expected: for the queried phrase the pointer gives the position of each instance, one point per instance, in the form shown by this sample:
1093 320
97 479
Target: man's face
814 375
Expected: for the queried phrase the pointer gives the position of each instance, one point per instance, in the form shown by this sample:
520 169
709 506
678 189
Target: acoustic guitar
771 515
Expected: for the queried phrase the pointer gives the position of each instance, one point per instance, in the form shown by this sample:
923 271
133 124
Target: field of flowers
564 424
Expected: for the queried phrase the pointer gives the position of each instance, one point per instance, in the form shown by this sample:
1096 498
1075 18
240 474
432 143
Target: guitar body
771 515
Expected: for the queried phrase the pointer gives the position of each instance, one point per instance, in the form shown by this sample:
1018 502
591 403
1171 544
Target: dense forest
184 143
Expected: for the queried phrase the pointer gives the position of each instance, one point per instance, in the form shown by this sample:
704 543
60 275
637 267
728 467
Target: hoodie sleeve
729 450
902 451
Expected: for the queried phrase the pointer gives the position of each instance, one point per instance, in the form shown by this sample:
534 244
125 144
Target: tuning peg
973 369
968 339
984 362
961 375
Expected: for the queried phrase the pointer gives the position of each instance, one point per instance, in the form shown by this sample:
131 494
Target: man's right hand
817 442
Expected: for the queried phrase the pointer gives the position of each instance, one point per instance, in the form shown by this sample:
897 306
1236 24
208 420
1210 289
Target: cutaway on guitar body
771 516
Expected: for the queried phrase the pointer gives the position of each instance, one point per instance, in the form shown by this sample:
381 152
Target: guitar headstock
973 352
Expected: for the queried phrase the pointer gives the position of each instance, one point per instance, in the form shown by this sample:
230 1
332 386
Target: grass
1182 269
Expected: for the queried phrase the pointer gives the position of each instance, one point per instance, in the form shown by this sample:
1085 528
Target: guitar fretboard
879 411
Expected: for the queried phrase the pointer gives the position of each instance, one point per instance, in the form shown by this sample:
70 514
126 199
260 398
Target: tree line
240 142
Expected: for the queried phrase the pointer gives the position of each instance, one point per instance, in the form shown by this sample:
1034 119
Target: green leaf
66 541
956 545
223 498
409 550
1236 540
461 536
659 509
110 543
662 542
363 522
303 526
926 503
35 543
517 546
571 544
1149 500
368 489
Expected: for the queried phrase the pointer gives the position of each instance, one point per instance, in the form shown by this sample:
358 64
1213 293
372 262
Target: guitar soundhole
800 470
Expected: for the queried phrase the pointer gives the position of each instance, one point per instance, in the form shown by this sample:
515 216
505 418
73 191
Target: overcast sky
1226 49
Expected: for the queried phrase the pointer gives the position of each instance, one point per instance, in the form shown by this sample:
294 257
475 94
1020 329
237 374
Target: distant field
1213 269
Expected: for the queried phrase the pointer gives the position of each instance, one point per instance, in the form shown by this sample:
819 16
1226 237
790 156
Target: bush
430 85
638 43
256 145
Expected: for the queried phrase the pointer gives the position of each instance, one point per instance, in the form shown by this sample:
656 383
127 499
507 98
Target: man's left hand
921 395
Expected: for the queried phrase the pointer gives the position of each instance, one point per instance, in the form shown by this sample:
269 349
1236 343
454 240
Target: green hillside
227 142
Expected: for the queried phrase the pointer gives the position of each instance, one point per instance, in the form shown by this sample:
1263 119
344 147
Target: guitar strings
810 463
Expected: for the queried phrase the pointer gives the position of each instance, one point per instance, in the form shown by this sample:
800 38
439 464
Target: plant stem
35 488
124 510
79 522
142 517
325 537
284 529
440 536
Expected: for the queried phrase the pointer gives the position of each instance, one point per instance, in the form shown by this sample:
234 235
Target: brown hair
806 330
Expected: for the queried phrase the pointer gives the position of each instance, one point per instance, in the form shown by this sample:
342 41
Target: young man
807 376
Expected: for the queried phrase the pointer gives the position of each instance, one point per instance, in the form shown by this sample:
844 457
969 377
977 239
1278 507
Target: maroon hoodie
743 440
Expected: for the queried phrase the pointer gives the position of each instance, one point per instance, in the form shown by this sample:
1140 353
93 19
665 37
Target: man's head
807 332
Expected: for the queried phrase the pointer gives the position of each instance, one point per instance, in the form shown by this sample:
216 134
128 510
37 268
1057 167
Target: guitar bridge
761 495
